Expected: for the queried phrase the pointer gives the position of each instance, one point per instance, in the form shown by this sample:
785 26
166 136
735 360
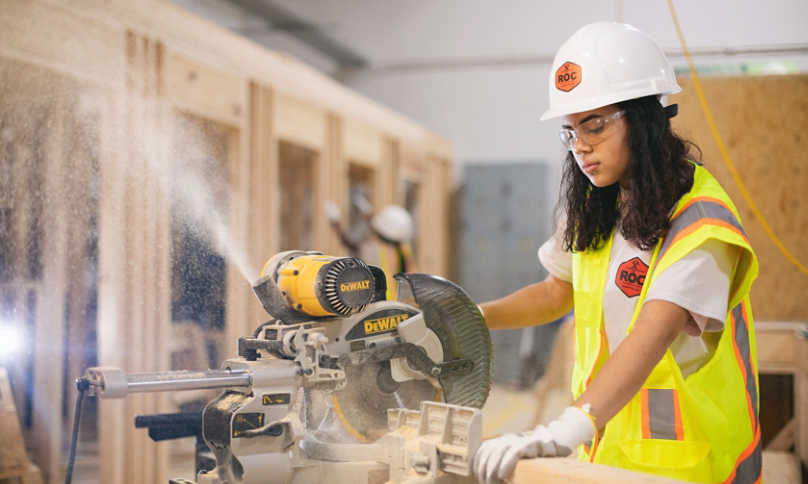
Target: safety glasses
590 132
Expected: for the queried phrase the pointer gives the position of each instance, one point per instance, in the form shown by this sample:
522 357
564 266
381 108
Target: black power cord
82 384
261 326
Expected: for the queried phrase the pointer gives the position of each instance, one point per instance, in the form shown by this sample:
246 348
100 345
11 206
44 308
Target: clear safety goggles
590 132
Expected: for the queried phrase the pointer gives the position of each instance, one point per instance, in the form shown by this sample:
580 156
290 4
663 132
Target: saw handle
273 429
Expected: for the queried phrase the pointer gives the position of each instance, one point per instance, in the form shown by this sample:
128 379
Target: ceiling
340 36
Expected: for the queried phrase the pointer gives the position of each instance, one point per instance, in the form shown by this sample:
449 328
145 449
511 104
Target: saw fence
110 109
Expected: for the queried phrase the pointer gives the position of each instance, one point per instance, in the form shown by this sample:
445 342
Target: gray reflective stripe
693 214
742 340
661 414
750 470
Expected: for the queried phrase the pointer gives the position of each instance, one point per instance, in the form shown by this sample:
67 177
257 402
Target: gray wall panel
504 218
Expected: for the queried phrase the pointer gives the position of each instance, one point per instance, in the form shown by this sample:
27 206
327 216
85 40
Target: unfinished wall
139 124
763 122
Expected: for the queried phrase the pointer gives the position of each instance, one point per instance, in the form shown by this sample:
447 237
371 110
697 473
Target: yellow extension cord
788 255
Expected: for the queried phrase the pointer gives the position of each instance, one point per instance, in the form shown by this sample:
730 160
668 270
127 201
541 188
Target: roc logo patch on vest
631 276
568 76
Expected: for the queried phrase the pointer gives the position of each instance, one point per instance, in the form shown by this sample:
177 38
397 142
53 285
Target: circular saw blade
370 390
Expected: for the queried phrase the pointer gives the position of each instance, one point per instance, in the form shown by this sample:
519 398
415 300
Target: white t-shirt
699 283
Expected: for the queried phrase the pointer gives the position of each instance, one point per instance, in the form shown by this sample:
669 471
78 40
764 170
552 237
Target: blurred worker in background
391 250
651 251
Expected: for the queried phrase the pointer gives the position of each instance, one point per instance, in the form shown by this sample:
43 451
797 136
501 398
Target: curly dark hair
659 173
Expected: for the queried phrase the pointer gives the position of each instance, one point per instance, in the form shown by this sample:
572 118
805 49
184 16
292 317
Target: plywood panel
200 87
299 123
764 124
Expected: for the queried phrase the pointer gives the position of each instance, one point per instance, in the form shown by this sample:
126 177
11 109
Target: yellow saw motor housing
320 285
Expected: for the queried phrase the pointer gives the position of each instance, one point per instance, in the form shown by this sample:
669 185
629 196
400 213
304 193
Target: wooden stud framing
339 186
46 428
112 287
263 169
781 351
299 123
144 64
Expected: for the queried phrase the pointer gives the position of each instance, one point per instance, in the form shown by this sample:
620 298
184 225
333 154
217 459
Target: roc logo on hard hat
568 76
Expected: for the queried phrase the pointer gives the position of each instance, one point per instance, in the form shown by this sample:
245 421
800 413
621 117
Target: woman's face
607 161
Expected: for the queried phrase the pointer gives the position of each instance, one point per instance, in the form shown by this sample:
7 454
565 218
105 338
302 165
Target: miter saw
341 385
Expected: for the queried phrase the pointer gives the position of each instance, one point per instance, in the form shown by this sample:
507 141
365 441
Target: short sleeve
699 282
554 258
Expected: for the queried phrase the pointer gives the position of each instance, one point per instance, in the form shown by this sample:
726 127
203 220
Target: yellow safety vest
390 263
704 428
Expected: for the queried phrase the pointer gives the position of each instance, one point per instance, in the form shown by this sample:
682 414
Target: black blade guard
461 329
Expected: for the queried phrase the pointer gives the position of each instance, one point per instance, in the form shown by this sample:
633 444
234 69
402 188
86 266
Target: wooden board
205 90
571 471
764 125
299 123
363 144
13 459
781 468
776 346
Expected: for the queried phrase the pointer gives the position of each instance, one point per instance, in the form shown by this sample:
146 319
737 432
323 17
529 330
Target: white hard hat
393 223
605 63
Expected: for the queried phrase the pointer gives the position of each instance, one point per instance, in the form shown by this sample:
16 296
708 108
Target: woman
651 251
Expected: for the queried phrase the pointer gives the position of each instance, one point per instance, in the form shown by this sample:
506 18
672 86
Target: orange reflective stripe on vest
749 468
696 213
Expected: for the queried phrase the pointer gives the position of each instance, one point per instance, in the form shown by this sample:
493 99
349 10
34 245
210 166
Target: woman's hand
496 458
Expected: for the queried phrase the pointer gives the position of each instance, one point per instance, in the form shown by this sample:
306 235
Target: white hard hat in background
605 63
393 223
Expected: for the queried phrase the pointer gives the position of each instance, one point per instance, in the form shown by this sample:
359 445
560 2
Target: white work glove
496 458
362 204
332 211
